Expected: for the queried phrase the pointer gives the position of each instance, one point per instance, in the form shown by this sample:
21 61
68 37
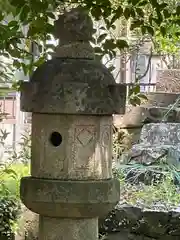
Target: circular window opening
56 139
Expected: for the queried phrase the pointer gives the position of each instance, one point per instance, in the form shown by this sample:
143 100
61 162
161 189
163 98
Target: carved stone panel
84 150
84 146
48 151
91 150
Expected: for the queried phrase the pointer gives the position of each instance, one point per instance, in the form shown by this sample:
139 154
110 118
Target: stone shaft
68 229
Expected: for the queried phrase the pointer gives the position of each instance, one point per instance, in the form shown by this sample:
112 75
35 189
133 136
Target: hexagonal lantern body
72 98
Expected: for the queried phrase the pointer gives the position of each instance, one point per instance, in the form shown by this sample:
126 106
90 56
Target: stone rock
169 238
157 114
153 224
137 116
120 218
168 80
161 99
158 142
161 133
147 155
174 223
134 119
147 225
123 235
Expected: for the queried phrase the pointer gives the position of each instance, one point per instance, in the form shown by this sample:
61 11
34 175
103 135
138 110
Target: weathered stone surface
128 222
133 120
84 153
139 115
169 238
159 114
161 133
158 142
69 199
75 87
69 229
73 84
74 26
150 154
153 226
168 80
161 99
120 218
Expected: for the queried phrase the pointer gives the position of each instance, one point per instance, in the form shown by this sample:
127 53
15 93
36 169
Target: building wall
13 120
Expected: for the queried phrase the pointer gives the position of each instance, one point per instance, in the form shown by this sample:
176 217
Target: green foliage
10 198
135 96
9 211
10 179
10 175
149 16
24 154
164 193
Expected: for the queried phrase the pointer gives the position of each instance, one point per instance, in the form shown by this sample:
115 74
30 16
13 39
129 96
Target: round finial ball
74 25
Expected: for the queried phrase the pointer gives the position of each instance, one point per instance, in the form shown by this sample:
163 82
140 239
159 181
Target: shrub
9 198
9 211
10 179
162 196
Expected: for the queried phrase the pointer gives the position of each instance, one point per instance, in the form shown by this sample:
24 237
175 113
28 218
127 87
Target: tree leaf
102 28
98 50
134 2
136 24
162 6
178 10
109 44
154 3
143 30
117 14
12 23
101 37
143 3
24 12
121 44
127 13
39 62
132 13
136 89
142 96
10 172
150 30
140 12
96 12
163 31
166 13
51 15
17 64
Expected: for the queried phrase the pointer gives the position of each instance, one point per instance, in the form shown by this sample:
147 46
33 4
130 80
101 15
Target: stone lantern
72 99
